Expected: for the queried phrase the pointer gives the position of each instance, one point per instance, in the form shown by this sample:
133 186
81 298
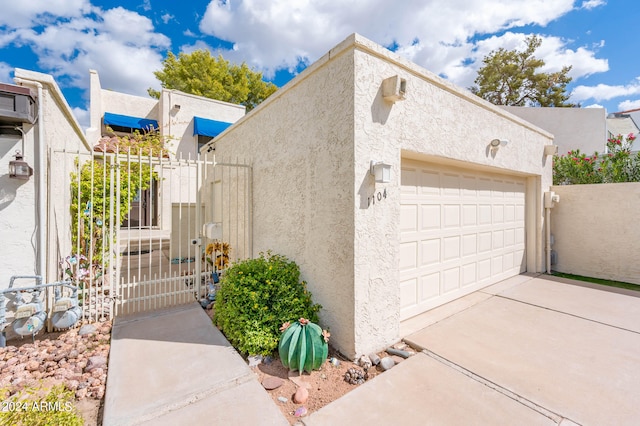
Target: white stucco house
461 207
34 212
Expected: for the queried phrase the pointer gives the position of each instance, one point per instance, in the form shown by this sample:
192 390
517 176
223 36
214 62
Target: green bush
40 407
256 297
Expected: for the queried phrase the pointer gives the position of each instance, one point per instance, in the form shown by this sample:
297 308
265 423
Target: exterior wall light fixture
19 169
497 143
550 150
381 171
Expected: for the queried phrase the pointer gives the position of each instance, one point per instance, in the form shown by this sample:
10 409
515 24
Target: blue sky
126 41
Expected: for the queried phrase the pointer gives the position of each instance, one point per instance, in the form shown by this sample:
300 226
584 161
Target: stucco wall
61 131
300 144
436 122
17 212
596 232
573 128
311 145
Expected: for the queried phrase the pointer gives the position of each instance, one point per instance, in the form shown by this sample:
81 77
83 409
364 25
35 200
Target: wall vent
17 105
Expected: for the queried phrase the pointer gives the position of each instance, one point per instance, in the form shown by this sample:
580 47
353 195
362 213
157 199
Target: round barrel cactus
303 346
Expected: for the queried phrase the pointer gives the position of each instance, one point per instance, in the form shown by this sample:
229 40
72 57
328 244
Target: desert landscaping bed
75 358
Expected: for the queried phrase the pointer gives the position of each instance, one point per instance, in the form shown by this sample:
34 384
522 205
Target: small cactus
303 346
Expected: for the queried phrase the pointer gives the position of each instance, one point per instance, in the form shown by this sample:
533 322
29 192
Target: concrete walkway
171 367
529 350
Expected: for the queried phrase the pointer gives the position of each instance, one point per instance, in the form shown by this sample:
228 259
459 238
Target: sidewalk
173 367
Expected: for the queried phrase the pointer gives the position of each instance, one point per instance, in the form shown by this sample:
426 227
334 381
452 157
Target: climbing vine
96 182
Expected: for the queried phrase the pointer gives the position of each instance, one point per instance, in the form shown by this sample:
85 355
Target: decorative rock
375 359
301 396
403 354
355 376
254 360
299 380
87 329
401 346
387 363
335 362
397 359
81 393
95 362
365 362
267 360
282 399
271 382
32 365
301 411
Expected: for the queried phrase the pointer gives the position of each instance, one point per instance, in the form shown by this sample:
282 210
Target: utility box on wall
17 104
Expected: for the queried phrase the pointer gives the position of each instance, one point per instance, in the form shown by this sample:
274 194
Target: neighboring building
34 212
186 122
461 207
573 128
623 123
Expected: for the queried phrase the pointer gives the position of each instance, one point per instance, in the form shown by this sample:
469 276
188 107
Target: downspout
40 212
550 200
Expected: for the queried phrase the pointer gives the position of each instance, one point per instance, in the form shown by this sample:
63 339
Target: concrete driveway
529 350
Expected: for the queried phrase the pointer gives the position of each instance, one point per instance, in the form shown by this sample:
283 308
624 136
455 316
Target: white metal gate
149 232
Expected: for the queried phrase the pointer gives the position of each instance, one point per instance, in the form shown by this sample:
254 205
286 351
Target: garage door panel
469 245
469 274
450 280
430 252
469 215
408 293
430 214
451 215
430 287
430 183
484 214
408 255
451 248
461 230
409 218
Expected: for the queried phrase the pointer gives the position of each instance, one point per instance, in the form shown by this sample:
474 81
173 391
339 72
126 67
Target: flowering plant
617 165
76 268
217 254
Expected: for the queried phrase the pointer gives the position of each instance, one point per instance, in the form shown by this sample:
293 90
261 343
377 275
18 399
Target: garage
460 230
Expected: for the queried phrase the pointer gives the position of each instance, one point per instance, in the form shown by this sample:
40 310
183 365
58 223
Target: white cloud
82 115
605 92
122 45
583 61
5 72
628 105
17 14
435 34
146 5
593 106
592 4
166 17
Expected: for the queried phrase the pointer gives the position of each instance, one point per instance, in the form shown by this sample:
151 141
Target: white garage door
461 230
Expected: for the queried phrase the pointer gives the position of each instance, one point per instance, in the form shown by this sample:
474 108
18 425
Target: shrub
618 165
30 408
258 295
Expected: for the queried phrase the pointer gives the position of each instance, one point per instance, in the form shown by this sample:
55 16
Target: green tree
512 77
201 74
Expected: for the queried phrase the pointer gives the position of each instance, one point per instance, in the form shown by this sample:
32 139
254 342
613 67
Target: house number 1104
379 196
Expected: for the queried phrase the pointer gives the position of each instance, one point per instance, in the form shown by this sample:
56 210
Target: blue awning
207 127
111 119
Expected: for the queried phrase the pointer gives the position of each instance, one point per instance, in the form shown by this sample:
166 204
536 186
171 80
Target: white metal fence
135 240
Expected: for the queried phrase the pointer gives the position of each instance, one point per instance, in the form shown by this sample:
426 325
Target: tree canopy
512 77
201 74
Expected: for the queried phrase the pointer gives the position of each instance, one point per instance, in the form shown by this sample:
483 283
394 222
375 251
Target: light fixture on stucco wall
497 143
550 150
19 169
381 171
